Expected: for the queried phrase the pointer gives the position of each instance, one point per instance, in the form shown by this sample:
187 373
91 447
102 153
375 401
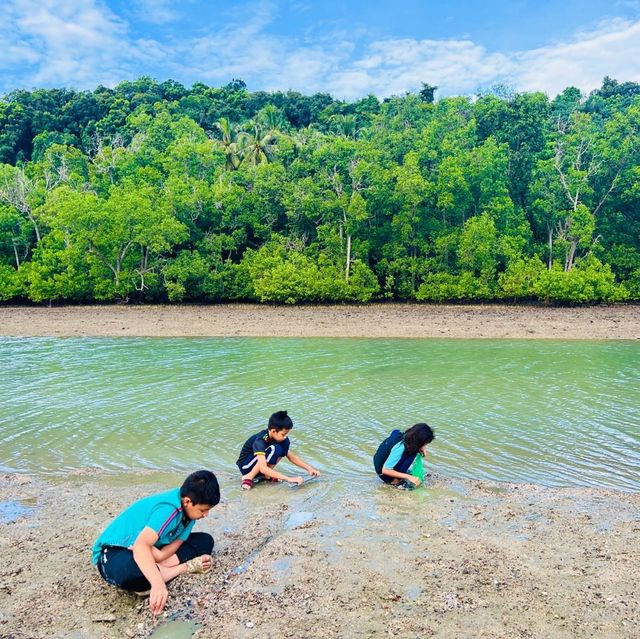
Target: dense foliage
155 192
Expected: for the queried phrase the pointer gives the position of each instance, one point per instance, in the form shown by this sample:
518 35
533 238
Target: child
262 451
151 541
396 454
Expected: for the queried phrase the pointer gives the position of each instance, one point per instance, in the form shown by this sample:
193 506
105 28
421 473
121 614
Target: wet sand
376 320
459 559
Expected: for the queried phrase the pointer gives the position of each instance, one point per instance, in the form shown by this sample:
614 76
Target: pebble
249 624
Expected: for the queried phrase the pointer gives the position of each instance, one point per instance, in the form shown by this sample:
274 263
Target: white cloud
78 43
395 66
612 49
82 43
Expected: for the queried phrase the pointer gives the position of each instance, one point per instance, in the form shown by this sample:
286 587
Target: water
550 412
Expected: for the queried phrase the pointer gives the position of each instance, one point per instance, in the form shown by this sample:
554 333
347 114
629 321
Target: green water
550 412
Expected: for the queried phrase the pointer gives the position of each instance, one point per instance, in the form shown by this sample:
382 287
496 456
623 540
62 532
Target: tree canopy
157 192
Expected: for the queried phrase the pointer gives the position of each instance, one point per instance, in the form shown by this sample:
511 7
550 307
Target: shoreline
392 320
459 558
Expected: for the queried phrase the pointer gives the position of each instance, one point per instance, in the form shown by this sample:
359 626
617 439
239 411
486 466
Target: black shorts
117 566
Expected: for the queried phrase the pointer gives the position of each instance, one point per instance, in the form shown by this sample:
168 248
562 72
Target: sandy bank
330 560
376 320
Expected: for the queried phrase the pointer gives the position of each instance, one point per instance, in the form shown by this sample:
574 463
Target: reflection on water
550 412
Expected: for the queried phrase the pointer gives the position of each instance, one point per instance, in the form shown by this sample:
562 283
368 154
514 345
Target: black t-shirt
259 443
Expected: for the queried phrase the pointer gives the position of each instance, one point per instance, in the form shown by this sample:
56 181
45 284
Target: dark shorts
273 454
117 566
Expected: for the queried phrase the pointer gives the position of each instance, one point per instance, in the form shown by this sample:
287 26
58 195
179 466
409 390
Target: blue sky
348 49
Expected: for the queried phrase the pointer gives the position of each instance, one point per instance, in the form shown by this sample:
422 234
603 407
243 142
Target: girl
396 454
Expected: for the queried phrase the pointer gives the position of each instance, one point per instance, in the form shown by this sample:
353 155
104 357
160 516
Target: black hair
416 437
280 421
201 487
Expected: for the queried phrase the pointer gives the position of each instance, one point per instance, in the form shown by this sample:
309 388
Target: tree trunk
550 258
348 266
571 254
15 252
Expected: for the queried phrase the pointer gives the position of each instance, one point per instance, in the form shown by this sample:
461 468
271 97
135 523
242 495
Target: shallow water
10 510
550 412
174 630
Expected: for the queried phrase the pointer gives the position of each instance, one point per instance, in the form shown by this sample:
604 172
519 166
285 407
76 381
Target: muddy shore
376 320
456 559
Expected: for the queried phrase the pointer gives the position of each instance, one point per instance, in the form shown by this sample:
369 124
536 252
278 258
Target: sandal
194 566
247 484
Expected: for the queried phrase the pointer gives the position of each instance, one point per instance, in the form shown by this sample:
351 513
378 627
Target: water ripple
554 413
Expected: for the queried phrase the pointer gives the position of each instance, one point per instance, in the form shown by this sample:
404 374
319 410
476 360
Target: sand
461 559
376 320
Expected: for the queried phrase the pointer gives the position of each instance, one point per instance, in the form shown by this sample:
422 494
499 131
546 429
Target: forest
154 192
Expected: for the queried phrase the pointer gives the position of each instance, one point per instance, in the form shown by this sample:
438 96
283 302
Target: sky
347 49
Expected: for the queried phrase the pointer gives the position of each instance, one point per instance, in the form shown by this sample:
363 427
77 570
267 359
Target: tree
427 93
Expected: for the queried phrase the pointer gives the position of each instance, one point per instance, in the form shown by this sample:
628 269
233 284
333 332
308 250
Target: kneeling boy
262 451
151 542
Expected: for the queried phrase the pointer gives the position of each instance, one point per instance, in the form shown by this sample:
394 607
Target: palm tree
257 146
272 118
228 144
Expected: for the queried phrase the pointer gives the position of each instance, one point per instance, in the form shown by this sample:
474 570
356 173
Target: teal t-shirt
162 513
395 455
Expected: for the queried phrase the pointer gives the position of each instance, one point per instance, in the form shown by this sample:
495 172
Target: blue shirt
399 459
161 512
394 456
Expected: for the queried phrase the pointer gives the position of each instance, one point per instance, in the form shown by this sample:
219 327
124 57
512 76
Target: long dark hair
416 437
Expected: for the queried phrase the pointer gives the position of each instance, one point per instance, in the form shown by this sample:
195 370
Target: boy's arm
143 556
294 459
160 554
266 470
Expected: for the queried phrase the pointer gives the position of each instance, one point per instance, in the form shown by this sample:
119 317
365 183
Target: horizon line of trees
154 192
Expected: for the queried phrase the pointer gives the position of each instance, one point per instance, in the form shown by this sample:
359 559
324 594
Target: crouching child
150 543
395 455
262 451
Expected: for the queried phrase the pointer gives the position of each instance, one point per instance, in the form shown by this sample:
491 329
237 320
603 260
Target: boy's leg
249 472
118 568
197 544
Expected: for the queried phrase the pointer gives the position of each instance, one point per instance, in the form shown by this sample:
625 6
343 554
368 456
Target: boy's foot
247 484
196 566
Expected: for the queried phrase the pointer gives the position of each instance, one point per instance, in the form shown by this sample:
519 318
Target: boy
151 541
262 451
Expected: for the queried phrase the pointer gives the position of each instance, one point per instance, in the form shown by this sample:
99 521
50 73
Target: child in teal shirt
396 454
151 541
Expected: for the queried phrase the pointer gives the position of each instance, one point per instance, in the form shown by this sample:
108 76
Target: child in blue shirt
151 541
396 454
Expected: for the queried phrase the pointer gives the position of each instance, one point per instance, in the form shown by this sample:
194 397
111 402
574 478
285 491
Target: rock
108 618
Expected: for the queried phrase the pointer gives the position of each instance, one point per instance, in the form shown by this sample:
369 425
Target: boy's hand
414 480
313 472
295 480
158 598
